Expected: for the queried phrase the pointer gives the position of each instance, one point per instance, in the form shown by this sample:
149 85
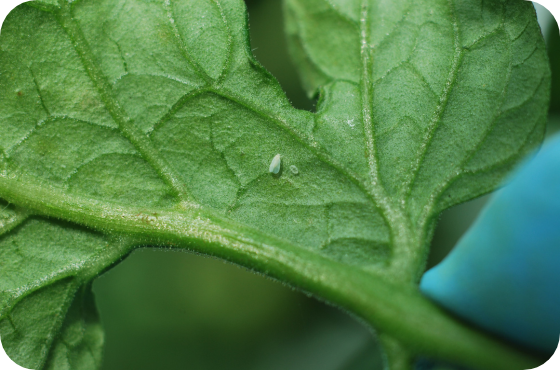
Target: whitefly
275 164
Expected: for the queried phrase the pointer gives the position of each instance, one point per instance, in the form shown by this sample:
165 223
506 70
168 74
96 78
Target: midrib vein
229 58
442 105
56 327
140 141
182 46
367 95
375 188
404 262
454 175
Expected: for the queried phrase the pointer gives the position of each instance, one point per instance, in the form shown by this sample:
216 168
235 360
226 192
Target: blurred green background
170 310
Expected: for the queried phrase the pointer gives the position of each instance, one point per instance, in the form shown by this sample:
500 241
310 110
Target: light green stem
395 355
398 310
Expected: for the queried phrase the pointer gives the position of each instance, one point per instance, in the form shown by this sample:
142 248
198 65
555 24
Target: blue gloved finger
504 274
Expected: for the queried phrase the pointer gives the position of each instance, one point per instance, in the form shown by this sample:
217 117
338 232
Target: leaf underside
120 117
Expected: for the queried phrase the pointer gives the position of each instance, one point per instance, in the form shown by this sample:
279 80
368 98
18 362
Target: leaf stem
395 356
395 309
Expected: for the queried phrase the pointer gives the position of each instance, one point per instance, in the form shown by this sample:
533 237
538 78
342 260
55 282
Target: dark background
172 310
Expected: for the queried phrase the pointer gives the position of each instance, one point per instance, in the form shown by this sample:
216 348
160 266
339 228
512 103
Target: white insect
275 164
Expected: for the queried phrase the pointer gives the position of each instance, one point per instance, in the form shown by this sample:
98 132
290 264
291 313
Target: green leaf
553 43
128 123
44 264
36 333
453 91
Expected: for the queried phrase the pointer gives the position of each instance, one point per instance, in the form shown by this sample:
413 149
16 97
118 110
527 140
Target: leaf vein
180 104
438 114
127 128
182 45
515 156
375 189
451 179
229 58
39 93
10 223
46 121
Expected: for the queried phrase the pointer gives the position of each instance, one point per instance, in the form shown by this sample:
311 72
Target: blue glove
504 274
